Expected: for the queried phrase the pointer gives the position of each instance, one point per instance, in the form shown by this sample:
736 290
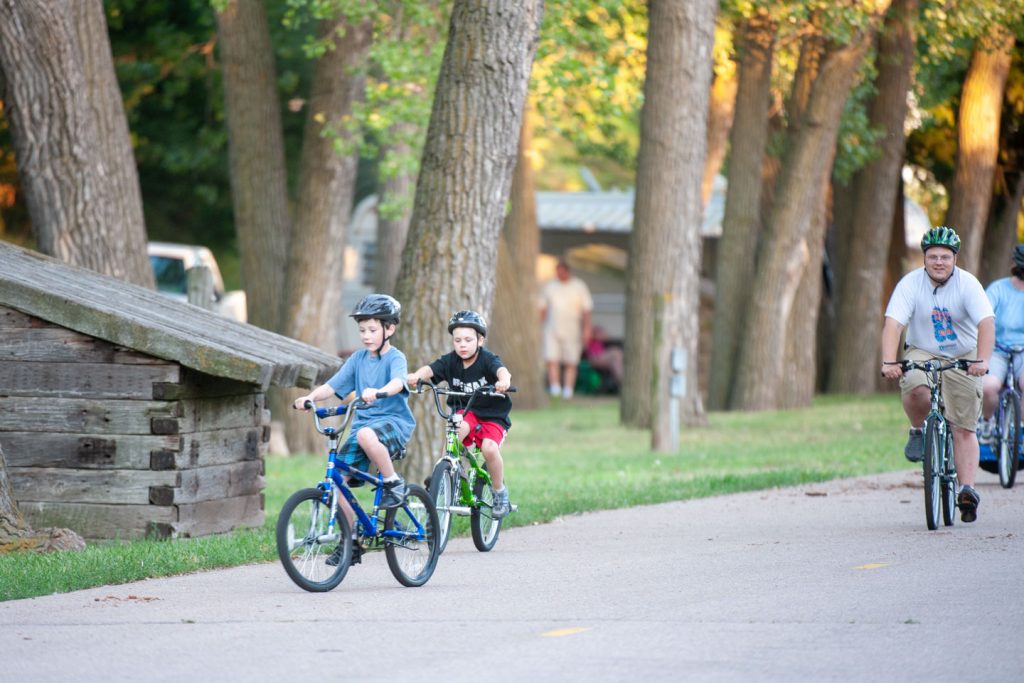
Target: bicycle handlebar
422 386
934 364
343 409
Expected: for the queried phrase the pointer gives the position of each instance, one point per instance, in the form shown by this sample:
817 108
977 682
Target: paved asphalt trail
834 581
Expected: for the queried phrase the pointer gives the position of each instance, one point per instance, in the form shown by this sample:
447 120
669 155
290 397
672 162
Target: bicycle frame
1009 382
455 451
334 484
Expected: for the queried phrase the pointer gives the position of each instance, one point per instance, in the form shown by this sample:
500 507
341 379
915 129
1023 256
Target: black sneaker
335 558
394 493
968 501
914 450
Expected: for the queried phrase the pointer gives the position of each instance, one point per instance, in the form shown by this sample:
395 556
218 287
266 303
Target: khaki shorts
562 349
960 392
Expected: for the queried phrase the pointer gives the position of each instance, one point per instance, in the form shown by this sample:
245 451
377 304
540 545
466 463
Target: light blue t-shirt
363 370
1008 303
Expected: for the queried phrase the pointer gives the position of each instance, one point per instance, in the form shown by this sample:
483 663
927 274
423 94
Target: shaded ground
837 580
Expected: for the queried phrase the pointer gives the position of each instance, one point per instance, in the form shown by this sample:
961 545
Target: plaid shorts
352 454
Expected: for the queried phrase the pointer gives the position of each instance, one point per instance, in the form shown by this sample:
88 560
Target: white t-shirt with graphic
941 320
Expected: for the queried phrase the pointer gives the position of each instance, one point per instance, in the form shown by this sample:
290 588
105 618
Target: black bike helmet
1018 256
941 236
378 306
468 319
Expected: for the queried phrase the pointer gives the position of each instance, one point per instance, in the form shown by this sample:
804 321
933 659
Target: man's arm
986 342
891 331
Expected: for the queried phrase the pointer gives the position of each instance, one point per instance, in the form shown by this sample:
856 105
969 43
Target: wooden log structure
124 413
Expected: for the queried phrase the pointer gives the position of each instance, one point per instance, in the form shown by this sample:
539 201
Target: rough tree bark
856 360
1001 236
108 106
16 534
393 231
785 253
662 279
741 221
326 189
978 142
79 192
801 361
450 256
259 187
514 331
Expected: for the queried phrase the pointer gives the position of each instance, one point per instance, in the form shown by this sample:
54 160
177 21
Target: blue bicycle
1006 431
309 529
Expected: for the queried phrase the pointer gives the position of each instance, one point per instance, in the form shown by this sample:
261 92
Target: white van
171 262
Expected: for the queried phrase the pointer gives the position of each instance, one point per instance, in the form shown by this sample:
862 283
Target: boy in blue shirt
468 367
380 430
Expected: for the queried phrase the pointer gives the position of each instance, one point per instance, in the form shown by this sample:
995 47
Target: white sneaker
567 393
556 391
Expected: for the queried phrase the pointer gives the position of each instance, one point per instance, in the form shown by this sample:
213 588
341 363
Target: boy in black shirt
465 369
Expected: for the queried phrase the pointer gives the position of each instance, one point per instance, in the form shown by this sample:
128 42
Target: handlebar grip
308 405
511 390
382 394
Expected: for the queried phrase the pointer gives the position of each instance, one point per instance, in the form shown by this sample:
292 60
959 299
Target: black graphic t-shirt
448 368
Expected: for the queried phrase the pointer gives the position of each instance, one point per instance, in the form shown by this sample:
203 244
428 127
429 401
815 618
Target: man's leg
916 404
570 380
965 455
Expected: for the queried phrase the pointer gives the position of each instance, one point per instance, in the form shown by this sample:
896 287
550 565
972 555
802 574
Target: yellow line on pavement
873 565
559 632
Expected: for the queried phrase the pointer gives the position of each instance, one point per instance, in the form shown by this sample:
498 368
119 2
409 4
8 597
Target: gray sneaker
501 505
914 450
985 429
394 493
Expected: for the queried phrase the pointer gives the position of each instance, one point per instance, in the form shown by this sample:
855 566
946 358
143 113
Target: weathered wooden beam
86 451
101 521
82 379
116 487
80 415
219 516
210 483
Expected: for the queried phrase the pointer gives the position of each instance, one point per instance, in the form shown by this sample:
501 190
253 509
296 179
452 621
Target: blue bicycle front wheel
315 556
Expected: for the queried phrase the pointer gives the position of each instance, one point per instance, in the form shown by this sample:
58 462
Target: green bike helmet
941 236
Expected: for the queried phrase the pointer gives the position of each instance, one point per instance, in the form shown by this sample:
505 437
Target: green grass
570 459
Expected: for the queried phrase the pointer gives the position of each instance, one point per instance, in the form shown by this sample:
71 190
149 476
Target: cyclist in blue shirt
1007 297
381 430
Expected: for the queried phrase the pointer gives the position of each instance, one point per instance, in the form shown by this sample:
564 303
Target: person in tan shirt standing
566 307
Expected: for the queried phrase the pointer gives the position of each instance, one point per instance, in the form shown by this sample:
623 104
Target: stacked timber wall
113 443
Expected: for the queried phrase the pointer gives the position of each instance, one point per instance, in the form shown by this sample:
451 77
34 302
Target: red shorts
478 431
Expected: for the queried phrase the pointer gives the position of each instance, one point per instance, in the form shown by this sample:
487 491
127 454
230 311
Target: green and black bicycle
460 484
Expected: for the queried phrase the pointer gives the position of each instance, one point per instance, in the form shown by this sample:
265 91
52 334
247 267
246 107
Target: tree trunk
721 111
785 251
72 192
259 187
17 535
978 142
662 279
800 360
107 103
741 221
393 230
1001 236
514 330
316 254
450 257
857 351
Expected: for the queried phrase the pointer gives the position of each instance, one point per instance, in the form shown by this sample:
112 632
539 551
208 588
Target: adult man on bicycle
1007 298
946 315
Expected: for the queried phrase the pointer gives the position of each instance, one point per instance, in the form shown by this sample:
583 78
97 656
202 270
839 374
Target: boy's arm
504 379
423 373
321 393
